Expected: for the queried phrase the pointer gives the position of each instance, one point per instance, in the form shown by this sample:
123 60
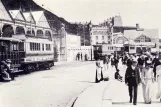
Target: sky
145 12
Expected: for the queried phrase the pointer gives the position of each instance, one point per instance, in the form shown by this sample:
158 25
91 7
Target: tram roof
126 27
10 39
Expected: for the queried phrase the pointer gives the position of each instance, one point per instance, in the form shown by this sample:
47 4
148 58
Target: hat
8 61
134 61
149 62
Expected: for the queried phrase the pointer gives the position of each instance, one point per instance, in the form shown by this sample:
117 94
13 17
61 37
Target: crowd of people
144 69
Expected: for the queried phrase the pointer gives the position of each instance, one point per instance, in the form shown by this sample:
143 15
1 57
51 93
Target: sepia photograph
80 53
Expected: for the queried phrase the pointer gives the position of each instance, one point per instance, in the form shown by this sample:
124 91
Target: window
103 38
34 46
15 47
132 47
39 33
96 42
159 47
48 48
96 37
43 47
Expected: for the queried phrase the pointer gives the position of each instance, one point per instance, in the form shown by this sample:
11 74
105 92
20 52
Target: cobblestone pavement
49 88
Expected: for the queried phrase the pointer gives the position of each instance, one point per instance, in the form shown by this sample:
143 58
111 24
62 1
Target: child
118 76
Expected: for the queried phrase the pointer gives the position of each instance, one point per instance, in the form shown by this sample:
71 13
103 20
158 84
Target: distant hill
54 20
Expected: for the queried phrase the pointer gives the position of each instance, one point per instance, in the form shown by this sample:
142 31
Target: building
99 35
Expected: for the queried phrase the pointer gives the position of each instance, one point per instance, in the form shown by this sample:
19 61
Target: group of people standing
142 69
79 56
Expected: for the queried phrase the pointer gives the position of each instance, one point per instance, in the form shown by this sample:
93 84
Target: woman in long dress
158 77
99 74
147 79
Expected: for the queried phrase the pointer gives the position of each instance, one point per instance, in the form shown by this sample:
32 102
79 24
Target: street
50 88
60 86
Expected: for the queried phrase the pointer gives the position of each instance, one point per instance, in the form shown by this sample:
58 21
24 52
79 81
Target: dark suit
132 78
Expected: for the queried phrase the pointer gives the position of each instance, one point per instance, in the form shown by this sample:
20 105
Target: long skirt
105 67
99 75
147 90
159 87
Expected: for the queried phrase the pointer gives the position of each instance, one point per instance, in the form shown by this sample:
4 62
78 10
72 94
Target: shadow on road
87 81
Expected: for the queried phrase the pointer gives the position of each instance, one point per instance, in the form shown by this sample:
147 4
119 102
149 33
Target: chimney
137 26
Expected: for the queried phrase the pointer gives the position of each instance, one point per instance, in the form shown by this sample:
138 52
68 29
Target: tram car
27 54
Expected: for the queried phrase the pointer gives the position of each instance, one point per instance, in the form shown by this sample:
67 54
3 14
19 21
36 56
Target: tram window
96 37
43 47
14 47
132 47
31 46
102 37
21 46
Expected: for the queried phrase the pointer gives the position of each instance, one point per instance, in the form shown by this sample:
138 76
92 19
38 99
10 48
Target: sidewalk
95 96
113 93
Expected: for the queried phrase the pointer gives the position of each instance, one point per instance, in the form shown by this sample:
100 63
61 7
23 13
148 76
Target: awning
10 39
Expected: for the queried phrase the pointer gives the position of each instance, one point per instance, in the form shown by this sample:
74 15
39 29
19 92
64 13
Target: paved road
50 88
119 92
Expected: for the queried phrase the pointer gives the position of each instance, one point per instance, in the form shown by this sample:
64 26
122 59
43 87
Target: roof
4 13
16 14
126 27
133 34
28 16
37 15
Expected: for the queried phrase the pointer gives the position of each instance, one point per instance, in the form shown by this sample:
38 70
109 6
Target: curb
74 99
106 97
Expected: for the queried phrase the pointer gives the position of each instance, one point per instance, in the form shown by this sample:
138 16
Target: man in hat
132 79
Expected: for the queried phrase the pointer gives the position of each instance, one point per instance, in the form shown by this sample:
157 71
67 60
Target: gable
143 38
43 22
19 16
3 13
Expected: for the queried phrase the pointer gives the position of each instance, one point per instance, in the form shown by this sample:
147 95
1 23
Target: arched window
48 35
20 30
7 31
39 33
29 32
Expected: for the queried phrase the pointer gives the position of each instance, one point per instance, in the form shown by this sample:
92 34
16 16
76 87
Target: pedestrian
112 60
158 77
129 61
105 62
116 61
86 57
81 55
4 71
132 79
141 62
118 76
99 74
155 63
147 79
78 56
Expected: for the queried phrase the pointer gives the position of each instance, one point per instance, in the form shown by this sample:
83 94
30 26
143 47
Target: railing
15 57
